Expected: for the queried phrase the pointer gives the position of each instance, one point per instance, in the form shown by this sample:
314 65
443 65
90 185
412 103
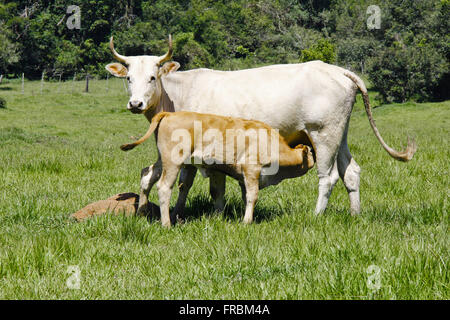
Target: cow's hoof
149 210
180 219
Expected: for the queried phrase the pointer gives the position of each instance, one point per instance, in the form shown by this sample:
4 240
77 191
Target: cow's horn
168 55
118 57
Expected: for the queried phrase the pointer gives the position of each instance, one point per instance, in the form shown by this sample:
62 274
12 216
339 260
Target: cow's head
143 75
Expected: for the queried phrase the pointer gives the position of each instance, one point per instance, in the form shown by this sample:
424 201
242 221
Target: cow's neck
165 104
173 87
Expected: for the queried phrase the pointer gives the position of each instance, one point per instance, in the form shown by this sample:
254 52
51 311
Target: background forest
405 57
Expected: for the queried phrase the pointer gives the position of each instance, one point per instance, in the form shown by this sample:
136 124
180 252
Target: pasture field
60 151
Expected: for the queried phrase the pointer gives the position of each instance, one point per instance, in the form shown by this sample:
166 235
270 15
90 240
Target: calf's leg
251 179
149 176
165 185
187 176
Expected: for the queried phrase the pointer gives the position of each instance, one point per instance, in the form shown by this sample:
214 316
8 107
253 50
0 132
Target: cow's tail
404 155
153 125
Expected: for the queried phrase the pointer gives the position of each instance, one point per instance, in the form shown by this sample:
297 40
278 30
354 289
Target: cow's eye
128 79
152 79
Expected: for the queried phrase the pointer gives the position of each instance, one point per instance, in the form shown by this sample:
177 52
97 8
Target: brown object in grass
122 203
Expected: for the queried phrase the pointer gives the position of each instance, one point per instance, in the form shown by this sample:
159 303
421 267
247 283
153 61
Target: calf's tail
153 125
404 155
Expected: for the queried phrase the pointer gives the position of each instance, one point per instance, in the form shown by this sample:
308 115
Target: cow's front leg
243 192
149 176
217 189
187 176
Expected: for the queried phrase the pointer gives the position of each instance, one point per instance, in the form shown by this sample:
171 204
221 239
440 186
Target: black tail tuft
127 147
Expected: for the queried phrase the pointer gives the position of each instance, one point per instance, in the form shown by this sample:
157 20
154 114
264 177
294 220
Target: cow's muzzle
135 110
135 106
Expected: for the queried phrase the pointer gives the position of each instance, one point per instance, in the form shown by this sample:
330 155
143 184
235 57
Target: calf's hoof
166 224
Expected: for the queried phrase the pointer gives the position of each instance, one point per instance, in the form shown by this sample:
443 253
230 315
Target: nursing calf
235 147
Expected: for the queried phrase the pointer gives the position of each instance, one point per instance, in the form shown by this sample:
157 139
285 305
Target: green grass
60 151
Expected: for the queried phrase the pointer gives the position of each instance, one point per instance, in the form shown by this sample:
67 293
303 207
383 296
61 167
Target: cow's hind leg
326 154
217 189
187 176
349 171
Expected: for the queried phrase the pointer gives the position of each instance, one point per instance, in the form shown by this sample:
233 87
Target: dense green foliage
407 57
59 152
322 50
403 73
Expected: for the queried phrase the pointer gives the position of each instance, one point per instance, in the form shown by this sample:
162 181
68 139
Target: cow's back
287 97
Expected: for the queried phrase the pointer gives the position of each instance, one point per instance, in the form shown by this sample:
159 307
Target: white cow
313 98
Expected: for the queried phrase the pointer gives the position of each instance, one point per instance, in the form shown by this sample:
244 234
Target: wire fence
65 84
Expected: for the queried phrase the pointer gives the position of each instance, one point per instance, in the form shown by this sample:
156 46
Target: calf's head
143 75
306 155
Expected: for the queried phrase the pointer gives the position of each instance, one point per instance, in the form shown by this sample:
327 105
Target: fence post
59 85
42 81
87 83
73 81
1 78
23 83
107 79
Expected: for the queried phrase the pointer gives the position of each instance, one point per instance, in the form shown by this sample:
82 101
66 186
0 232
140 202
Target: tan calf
245 162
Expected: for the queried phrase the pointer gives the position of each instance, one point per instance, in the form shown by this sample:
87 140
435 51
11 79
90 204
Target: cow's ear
169 67
117 70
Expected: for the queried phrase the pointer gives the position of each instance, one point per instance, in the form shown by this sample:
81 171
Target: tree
353 53
69 58
400 73
236 34
9 54
323 50
189 53
9 48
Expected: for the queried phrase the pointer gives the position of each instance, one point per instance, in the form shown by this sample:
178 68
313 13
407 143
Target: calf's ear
117 70
169 67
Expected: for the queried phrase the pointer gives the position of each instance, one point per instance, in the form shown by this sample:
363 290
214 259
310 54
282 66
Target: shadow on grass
200 206
5 88
196 208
